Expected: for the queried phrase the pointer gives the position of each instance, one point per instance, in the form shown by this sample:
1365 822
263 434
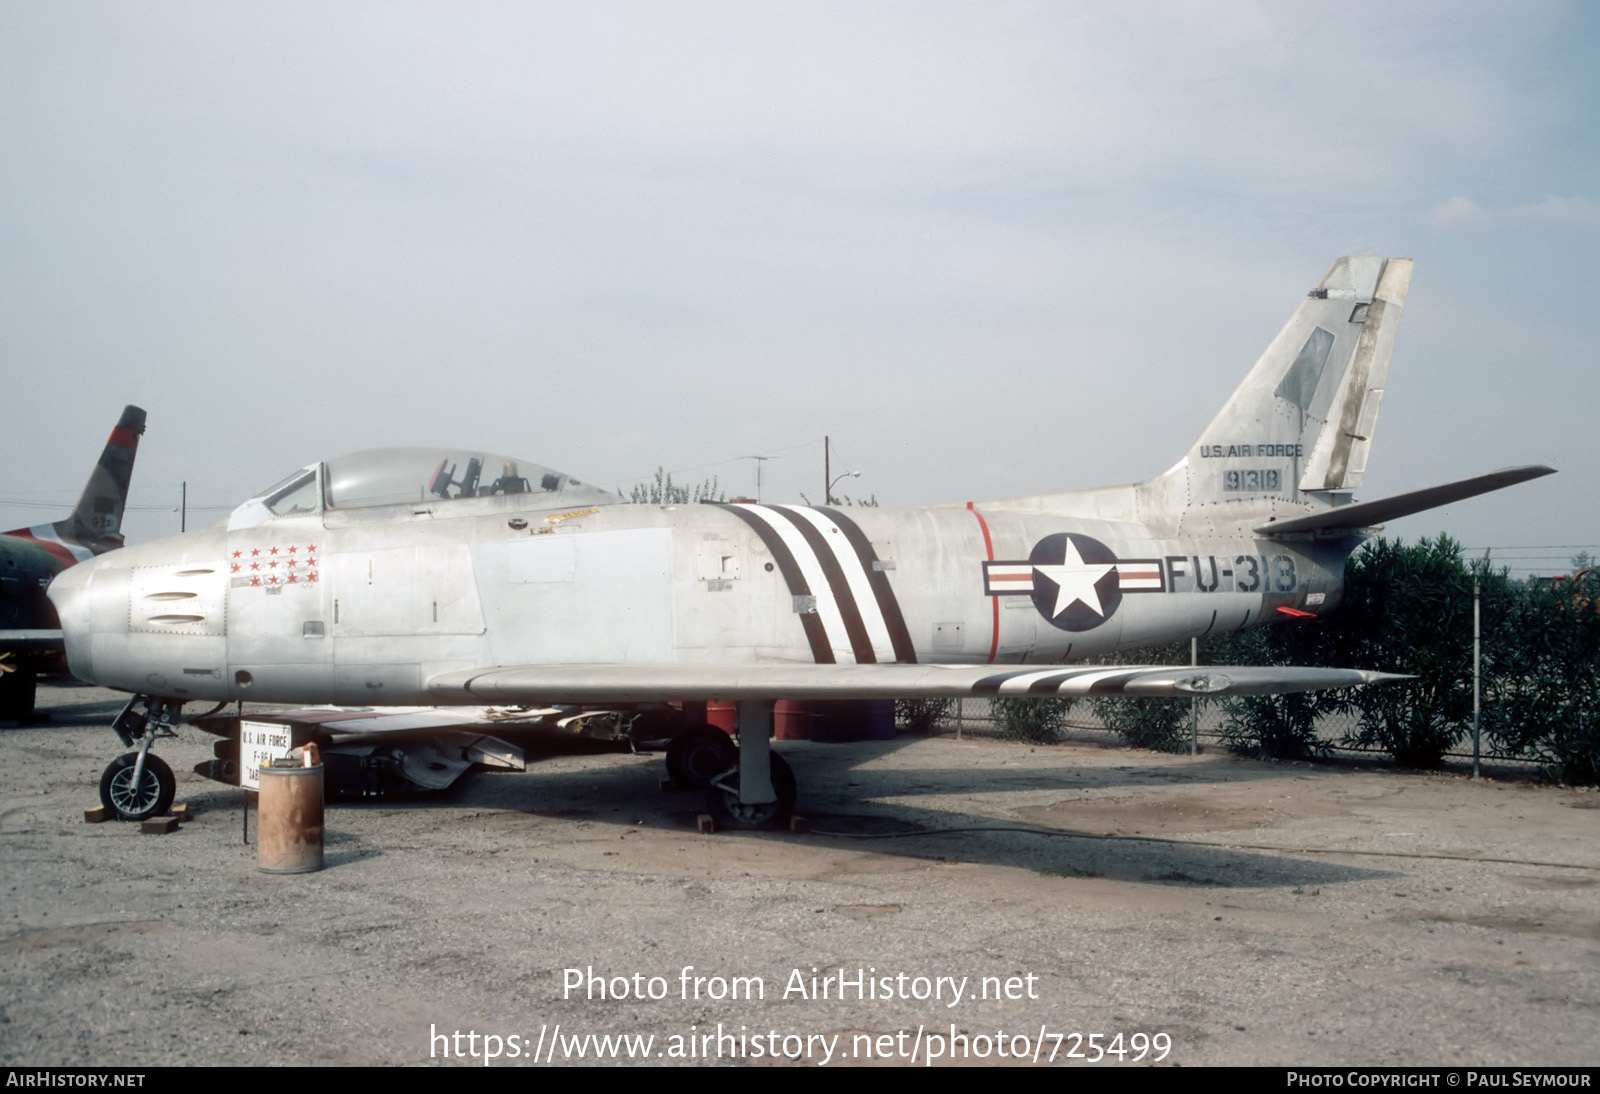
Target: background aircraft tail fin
96 523
95 526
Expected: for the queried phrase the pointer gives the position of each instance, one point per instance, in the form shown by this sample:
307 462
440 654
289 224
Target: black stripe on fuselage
849 610
904 651
816 635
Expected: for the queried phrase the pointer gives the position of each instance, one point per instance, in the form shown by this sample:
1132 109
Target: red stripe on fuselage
988 547
57 551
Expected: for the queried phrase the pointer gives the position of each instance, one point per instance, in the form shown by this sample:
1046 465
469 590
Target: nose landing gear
135 787
138 785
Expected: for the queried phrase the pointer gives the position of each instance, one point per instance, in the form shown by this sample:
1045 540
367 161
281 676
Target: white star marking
1075 580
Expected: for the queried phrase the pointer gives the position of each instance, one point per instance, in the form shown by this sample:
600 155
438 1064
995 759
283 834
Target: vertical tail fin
1297 432
95 526
97 521
1293 439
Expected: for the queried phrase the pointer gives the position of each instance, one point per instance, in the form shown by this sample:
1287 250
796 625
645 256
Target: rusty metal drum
289 824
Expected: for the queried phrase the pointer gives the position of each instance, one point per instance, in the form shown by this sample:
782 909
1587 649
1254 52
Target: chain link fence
1084 721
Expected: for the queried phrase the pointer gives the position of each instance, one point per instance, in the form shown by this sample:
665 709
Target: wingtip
1373 677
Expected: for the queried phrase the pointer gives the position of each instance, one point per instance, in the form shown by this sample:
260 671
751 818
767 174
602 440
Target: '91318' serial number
1253 478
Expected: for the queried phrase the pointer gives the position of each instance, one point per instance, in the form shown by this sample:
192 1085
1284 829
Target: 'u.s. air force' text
847 984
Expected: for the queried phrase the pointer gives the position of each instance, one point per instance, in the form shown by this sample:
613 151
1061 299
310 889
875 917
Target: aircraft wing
655 683
1366 514
38 640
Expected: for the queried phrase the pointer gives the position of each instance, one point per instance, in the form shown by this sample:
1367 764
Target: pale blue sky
992 249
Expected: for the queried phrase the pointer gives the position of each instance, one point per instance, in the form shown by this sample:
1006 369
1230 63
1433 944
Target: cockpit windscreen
394 476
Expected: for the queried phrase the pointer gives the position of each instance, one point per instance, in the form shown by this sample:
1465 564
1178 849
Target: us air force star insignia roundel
1075 581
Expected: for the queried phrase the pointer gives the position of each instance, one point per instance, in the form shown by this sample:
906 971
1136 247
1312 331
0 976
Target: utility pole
1194 702
759 461
1477 659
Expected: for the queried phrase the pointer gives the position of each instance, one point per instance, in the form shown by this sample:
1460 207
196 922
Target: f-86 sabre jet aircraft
446 577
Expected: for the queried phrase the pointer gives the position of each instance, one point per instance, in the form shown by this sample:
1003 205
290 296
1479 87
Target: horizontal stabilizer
655 683
1366 514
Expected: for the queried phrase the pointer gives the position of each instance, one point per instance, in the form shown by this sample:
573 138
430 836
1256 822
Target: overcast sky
992 249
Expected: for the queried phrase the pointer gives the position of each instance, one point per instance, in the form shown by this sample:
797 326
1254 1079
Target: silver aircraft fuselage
405 576
366 605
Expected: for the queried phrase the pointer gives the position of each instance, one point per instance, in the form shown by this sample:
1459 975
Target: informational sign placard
259 743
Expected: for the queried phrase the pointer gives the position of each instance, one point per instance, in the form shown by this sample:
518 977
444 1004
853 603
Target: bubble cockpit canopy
411 476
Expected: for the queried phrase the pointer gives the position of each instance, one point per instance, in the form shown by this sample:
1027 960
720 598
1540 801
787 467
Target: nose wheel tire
153 795
723 800
698 755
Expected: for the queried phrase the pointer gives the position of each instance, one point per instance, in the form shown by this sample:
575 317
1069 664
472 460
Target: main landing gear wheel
698 755
723 800
153 795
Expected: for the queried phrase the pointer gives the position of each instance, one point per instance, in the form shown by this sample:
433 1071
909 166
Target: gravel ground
1251 913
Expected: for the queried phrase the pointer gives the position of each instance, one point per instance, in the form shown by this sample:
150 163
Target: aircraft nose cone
69 592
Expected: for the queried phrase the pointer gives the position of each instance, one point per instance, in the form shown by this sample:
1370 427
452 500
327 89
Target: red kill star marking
255 581
290 564
255 565
272 581
292 550
291 579
236 554
311 548
273 550
272 565
235 567
254 551
312 576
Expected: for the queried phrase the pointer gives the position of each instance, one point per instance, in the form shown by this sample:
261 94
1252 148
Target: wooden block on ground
98 815
159 826
799 824
181 811
706 823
